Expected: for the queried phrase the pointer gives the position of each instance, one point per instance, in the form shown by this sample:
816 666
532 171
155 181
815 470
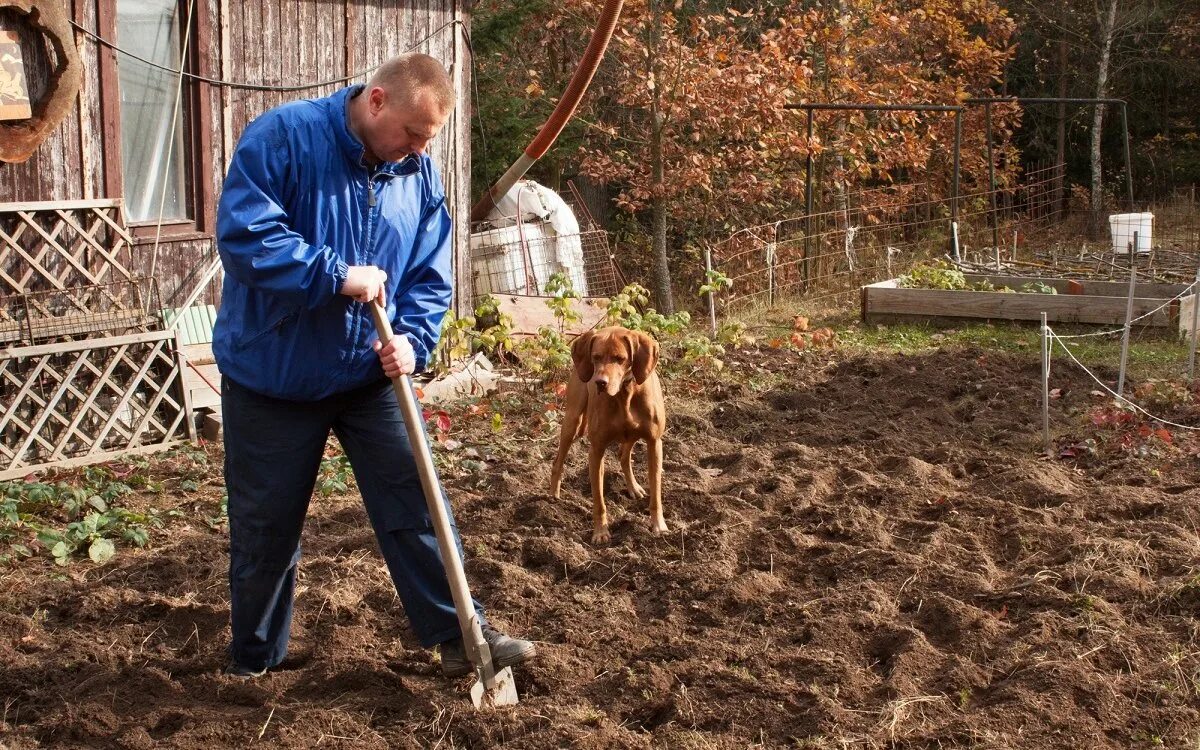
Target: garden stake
491 688
1128 316
712 305
1195 320
1045 386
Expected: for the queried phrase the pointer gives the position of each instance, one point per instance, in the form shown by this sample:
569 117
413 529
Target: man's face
396 128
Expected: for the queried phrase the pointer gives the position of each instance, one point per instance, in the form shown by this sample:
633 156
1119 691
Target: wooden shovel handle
468 622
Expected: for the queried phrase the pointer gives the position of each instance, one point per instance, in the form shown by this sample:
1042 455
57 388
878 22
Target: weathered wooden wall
268 42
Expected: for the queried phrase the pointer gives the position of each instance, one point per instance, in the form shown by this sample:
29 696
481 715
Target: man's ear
645 355
581 355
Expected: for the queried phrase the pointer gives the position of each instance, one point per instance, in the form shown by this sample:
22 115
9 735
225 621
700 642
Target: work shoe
233 669
506 652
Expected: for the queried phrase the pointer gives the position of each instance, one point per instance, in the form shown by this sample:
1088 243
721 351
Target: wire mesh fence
880 233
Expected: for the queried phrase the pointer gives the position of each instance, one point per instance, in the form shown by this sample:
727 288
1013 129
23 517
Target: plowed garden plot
865 551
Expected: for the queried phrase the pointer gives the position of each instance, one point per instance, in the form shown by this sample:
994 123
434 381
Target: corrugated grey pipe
561 114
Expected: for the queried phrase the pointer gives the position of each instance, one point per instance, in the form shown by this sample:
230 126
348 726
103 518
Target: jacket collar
339 115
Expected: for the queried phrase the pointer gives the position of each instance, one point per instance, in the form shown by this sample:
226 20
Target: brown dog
614 395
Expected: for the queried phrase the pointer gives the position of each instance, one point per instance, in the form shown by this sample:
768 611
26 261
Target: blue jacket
297 208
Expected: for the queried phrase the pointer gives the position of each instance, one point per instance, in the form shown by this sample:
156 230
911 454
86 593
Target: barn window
154 155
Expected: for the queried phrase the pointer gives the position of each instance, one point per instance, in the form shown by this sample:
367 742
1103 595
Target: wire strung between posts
1055 336
1179 296
263 87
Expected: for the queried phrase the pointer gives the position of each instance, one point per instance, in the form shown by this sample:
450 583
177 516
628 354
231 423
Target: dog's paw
601 536
659 527
637 492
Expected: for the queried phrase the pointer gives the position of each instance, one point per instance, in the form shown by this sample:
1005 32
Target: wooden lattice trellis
84 401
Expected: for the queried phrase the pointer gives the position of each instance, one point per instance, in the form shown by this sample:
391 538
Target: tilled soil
864 551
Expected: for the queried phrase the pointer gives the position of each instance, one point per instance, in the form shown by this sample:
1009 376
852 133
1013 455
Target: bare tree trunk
1060 148
660 267
658 221
1106 42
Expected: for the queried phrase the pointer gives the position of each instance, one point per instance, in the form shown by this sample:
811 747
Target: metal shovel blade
504 694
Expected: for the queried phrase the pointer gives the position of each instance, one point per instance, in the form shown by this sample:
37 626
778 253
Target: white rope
1114 394
1179 296
162 199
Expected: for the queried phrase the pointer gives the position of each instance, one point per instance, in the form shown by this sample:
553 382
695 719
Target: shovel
491 688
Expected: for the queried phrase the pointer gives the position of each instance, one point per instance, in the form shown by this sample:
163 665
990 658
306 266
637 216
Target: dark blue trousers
273 451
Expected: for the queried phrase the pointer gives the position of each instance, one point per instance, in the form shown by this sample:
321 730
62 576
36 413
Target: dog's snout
601 383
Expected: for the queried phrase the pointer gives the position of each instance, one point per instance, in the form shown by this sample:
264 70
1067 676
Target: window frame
198 141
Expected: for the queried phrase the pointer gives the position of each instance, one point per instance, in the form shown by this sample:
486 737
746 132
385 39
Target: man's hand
365 283
397 357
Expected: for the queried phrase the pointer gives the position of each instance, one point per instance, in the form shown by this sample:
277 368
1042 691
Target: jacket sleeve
423 299
254 236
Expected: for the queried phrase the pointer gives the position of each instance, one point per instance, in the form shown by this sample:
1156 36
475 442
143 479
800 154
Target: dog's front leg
654 460
635 490
600 533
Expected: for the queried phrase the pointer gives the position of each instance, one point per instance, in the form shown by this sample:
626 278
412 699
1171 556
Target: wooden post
1045 386
770 274
1128 317
712 304
1195 320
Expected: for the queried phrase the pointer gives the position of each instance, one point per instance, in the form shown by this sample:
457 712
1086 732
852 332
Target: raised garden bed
1076 301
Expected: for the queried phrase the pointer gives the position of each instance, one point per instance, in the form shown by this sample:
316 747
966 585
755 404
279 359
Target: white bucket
1124 225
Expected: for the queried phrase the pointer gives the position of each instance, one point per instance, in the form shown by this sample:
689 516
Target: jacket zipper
364 257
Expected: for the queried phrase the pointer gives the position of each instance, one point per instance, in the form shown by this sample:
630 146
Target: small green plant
494 328
546 354
561 292
933 275
489 330
701 350
715 282
455 341
1038 287
733 333
625 304
334 475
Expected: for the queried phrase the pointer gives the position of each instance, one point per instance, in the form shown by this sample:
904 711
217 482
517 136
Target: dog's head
610 356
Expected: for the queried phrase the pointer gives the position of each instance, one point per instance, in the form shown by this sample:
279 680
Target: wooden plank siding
272 42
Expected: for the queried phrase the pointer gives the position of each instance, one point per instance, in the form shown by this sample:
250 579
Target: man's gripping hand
365 283
397 357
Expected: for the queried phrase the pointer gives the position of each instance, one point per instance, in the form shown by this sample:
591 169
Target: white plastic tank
1123 227
512 259
536 235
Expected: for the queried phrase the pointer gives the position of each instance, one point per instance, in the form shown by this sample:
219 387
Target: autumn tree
686 116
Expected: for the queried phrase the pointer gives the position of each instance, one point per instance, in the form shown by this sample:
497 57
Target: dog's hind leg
572 427
635 490
654 460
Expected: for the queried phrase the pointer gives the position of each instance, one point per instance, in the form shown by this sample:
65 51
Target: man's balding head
402 108
408 76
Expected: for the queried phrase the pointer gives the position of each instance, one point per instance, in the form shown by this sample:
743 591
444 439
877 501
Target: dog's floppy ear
581 355
645 355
